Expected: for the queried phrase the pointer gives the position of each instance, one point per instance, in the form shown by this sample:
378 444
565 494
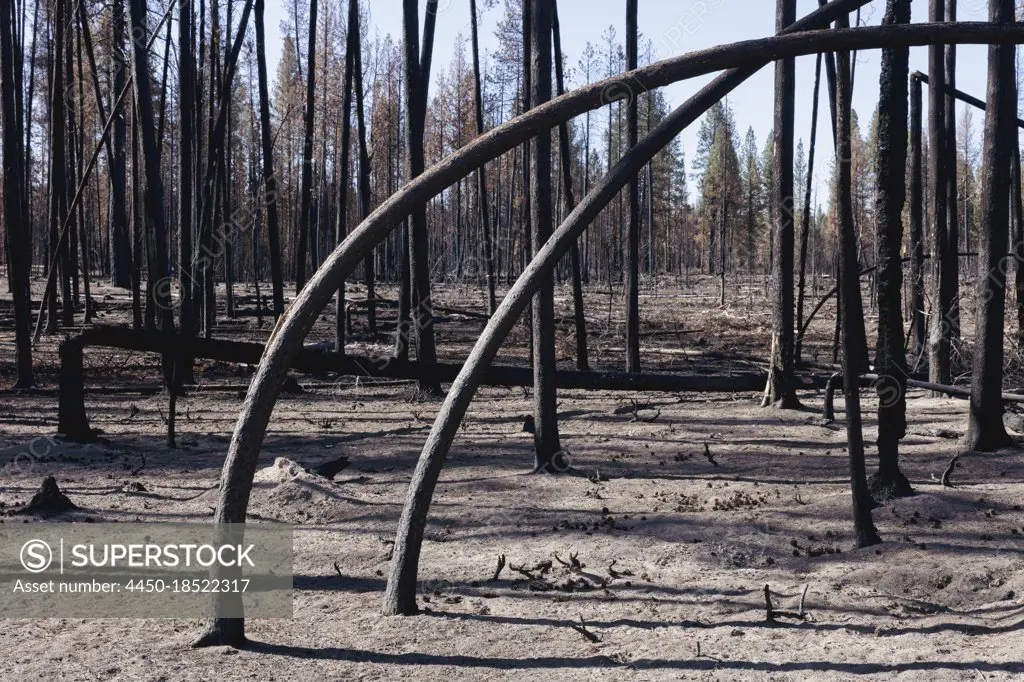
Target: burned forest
511 339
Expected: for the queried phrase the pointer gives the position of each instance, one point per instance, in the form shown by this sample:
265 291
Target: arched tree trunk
780 392
284 344
985 430
633 238
890 195
851 307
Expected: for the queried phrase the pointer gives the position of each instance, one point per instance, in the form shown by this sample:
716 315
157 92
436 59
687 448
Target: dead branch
582 629
946 483
498 569
137 470
708 455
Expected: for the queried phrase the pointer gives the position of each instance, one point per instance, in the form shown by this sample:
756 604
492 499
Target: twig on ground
582 629
708 455
500 567
137 470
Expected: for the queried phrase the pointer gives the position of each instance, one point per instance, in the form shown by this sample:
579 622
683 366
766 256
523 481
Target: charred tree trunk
780 392
485 216
547 446
364 166
341 226
306 195
890 187
569 201
633 238
851 307
269 179
15 192
1018 233
120 241
952 212
416 84
985 430
916 198
186 176
939 371
805 217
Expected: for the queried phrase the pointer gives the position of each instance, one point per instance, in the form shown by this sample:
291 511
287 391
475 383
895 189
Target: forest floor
680 515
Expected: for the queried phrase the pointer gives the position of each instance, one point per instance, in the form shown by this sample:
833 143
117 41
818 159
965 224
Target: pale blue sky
679 26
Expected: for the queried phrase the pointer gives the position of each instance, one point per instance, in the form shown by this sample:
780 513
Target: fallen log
835 383
73 424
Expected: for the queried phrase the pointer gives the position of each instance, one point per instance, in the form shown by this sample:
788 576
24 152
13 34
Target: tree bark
364 169
952 212
851 307
890 188
15 192
805 217
482 171
916 198
944 287
120 242
269 179
633 238
780 393
569 201
341 226
985 430
416 85
547 444
306 193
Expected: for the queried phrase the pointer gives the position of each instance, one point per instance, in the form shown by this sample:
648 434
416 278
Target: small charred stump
48 500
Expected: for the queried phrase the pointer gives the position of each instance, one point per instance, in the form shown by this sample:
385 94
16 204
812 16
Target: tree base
222 632
867 538
889 486
987 439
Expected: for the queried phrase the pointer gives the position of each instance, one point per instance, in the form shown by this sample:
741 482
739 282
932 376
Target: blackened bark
916 198
569 200
547 446
780 392
890 187
364 169
952 212
849 290
341 226
269 179
485 214
939 371
1018 233
985 430
416 81
120 241
805 217
14 189
633 235
306 192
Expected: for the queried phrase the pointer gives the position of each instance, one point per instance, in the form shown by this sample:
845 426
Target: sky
679 26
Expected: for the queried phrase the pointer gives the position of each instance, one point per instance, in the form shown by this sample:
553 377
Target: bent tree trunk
890 188
250 430
985 430
400 597
851 307
780 392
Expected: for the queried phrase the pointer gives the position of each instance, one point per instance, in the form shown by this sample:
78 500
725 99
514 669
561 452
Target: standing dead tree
633 235
745 58
780 392
985 430
890 195
269 178
916 198
485 214
569 201
851 307
306 196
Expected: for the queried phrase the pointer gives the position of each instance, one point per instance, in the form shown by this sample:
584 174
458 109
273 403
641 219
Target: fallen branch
582 629
498 569
709 456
